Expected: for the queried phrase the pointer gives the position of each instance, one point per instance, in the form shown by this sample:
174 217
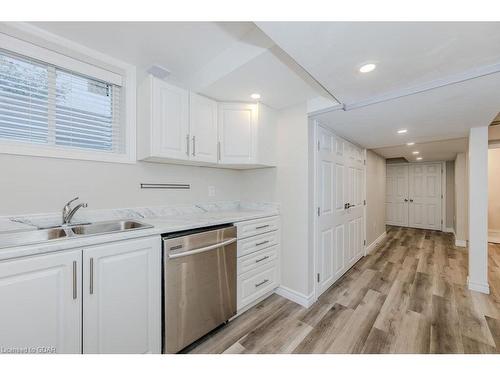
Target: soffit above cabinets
227 61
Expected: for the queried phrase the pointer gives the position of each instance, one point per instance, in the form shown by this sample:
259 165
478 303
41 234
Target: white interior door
425 196
396 200
340 182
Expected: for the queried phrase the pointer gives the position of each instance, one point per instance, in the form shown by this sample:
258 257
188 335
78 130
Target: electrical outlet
211 191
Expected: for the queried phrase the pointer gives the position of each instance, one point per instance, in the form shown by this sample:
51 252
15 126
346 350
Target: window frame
72 57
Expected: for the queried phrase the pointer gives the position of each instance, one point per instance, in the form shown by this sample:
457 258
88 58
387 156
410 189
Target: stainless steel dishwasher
199 284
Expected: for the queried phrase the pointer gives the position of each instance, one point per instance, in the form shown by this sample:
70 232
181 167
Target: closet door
396 200
425 196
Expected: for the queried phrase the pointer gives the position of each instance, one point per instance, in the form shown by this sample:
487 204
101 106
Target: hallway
408 296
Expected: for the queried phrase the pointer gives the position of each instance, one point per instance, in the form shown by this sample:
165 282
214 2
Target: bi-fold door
414 196
340 175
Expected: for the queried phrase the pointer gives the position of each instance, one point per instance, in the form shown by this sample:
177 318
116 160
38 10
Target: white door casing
425 196
396 200
41 303
339 183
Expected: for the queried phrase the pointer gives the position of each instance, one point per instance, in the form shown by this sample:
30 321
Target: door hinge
318 211
317 277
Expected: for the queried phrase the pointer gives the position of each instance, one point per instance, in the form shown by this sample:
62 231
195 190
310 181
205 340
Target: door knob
411 200
346 206
406 200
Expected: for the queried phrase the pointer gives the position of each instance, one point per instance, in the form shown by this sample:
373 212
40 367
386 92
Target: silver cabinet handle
74 280
262 226
261 283
187 144
194 145
218 150
261 259
91 275
261 243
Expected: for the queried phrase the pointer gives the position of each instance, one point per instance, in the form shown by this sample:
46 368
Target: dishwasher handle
203 249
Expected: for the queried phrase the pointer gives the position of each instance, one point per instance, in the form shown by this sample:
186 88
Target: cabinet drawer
252 244
256 283
256 259
258 226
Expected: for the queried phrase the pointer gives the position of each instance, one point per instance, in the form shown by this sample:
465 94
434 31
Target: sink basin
108 227
30 237
44 235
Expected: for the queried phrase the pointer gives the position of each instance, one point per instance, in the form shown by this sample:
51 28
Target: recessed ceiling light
402 131
367 68
255 96
410 143
419 158
415 152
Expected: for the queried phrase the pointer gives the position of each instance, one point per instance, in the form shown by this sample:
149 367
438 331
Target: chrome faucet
68 212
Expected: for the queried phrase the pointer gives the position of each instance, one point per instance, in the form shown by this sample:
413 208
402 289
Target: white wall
494 191
450 195
478 209
41 185
375 196
288 185
461 200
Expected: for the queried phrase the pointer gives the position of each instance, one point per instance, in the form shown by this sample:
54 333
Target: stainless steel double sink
69 231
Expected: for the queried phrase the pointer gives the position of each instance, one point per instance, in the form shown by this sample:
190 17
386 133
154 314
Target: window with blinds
43 104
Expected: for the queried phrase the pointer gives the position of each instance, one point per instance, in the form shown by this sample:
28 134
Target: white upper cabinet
237 133
41 303
163 126
176 126
247 135
203 128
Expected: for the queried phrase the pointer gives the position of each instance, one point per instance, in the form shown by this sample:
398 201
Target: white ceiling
223 60
406 53
444 113
429 151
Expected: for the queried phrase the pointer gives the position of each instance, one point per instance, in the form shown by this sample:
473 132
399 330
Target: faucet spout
68 212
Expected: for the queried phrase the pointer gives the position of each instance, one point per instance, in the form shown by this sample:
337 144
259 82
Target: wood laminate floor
408 296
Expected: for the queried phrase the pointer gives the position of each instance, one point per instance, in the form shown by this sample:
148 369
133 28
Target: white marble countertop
188 219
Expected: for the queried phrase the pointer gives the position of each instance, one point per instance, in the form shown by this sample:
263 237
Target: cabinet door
170 122
122 294
237 129
41 304
203 128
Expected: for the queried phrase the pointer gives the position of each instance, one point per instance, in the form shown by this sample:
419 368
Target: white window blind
43 104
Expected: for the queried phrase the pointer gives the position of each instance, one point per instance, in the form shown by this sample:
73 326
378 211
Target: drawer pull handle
262 226
261 259
261 243
261 283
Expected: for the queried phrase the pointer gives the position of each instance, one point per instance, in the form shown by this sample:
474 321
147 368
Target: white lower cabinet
258 262
116 287
122 297
41 304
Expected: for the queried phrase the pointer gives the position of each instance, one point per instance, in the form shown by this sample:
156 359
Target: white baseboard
460 243
479 287
449 230
494 236
375 243
295 296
